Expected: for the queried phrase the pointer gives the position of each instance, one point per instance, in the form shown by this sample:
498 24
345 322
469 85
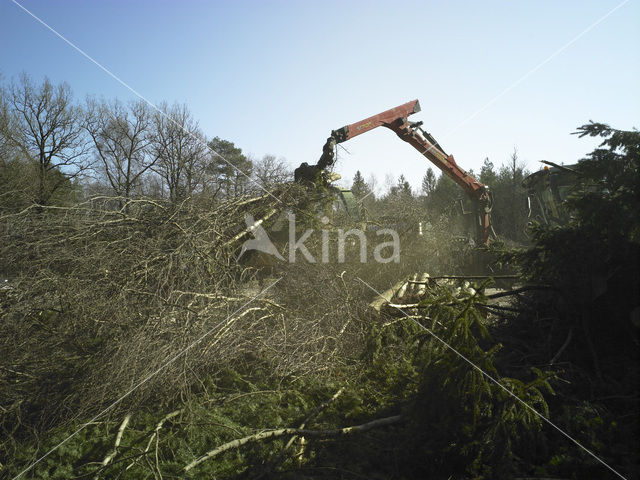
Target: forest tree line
57 150
440 198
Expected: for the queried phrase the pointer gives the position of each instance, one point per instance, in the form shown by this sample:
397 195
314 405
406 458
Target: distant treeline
57 150
440 198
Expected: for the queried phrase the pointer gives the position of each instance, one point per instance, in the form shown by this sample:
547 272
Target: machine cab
547 191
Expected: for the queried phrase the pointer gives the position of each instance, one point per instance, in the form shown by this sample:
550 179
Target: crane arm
397 119
383 119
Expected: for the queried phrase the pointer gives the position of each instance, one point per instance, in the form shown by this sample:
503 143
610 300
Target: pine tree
230 167
359 187
487 173
428 182
403 187
444 195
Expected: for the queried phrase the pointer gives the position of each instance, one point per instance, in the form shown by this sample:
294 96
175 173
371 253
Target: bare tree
122 141
44 125
270 171
389 183
5 143
181 151
372 183
7 148
14 172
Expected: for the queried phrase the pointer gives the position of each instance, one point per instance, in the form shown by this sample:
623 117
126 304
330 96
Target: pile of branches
142 322
148 299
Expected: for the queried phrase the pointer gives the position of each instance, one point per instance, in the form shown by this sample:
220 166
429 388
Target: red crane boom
397 119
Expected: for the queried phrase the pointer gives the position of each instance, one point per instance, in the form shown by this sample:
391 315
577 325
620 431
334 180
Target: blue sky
277 76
